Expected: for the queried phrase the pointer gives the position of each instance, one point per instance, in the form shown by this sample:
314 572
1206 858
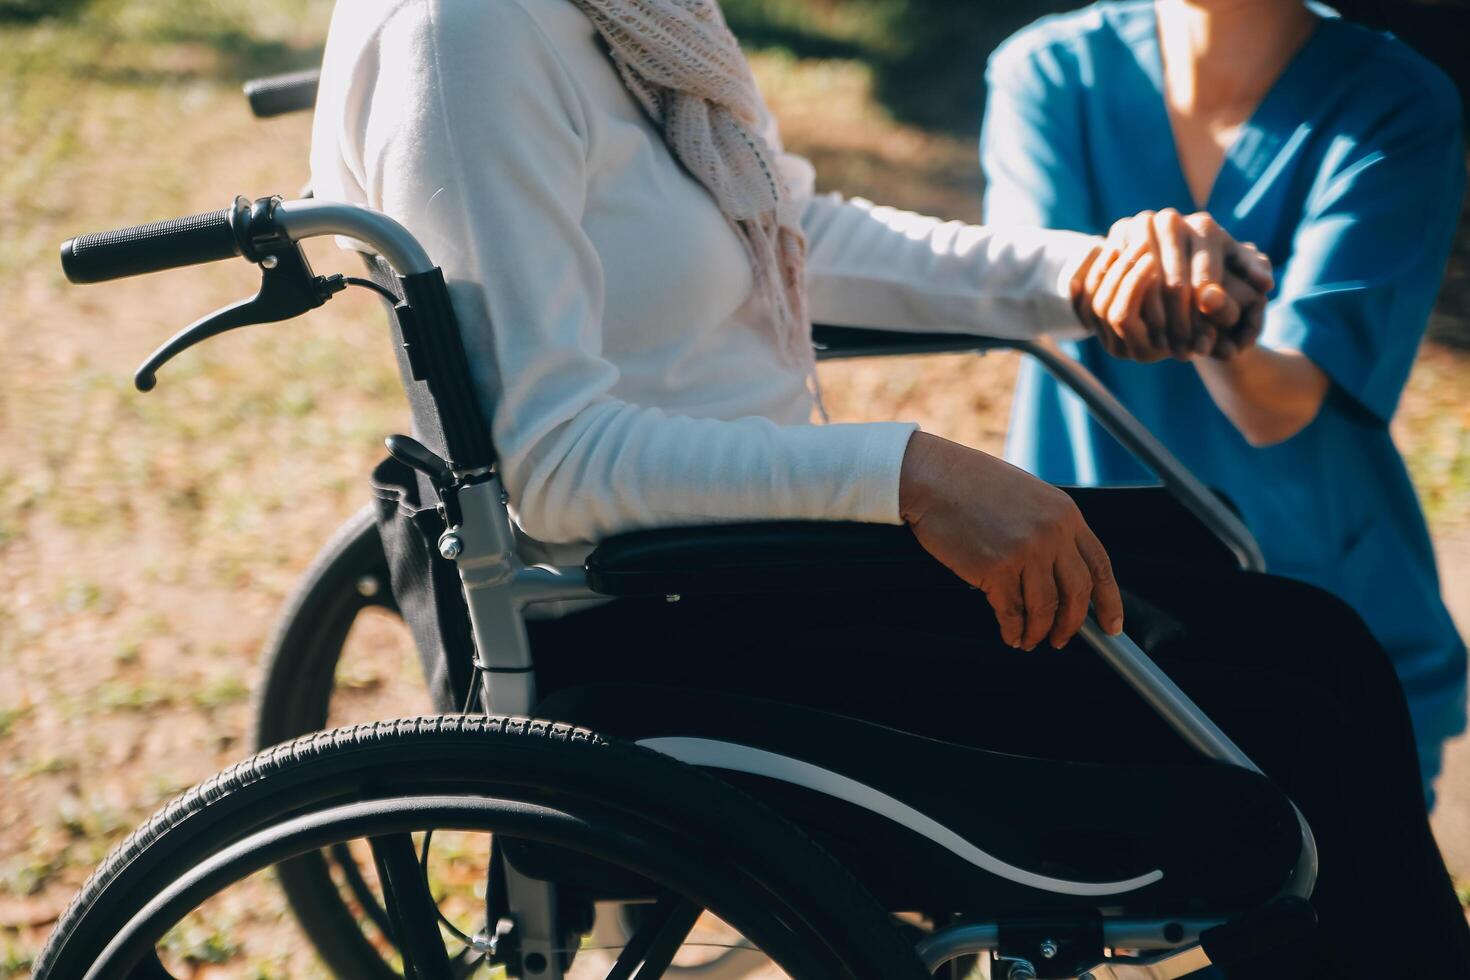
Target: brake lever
288 288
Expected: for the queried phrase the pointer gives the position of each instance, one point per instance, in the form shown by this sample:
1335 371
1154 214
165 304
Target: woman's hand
1020 541
1166 284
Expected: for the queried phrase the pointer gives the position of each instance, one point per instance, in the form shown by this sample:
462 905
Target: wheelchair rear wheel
317 671
693 842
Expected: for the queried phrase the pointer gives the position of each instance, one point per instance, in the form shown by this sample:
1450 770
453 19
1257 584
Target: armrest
834 343
777 556
815 556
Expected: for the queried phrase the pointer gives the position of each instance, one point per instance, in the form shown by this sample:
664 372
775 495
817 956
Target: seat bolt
451 546
270 261
368 586
1048 949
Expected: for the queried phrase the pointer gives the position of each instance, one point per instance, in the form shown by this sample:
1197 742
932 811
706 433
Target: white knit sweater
607 304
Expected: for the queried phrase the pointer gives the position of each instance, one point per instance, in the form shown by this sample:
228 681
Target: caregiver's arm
1269 395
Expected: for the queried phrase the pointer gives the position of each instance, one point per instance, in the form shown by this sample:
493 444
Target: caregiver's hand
1020 541
1169 284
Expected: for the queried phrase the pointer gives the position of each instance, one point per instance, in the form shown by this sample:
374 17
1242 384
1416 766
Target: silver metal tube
1164 696
547 583
1194 726
383 235
495 584
488 567
1203 502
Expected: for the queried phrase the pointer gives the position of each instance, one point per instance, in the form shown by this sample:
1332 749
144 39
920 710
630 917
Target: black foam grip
278 95
134 251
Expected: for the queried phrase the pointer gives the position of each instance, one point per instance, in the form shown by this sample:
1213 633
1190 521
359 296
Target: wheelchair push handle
249 229
279 95
268 232
172 244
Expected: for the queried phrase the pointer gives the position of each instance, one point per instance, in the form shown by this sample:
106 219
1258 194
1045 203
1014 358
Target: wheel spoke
656 940
411 909
668 941
357 884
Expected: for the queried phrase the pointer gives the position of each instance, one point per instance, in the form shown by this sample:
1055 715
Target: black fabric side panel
425 585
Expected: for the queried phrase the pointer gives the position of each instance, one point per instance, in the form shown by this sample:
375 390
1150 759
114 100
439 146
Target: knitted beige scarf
680 61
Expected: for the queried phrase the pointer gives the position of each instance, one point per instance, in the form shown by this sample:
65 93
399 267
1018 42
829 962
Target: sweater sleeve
474 135
875 266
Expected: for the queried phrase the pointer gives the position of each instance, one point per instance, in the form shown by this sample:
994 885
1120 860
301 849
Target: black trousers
1288 671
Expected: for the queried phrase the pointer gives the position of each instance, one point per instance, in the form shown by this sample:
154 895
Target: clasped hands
1164 284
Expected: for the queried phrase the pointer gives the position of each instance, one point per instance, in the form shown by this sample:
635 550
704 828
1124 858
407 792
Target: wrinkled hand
1022 542
1166 284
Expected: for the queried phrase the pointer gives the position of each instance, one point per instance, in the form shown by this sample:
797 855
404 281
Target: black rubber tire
513 759
300 659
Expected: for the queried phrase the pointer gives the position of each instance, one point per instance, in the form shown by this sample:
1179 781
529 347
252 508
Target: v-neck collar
1286 104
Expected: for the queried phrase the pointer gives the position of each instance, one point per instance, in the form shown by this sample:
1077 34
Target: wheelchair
813 843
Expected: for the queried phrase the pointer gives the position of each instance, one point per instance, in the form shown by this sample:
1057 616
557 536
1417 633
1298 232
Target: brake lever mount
288 287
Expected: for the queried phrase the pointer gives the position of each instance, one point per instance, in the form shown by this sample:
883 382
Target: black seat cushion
781 556
910 815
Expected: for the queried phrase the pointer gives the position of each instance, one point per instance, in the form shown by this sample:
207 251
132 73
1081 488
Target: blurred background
146 543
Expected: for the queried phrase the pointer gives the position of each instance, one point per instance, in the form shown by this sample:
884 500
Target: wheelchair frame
498 587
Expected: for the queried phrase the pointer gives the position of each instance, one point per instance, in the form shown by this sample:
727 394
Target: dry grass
146 542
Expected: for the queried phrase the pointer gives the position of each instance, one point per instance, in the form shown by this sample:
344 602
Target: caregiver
1337 150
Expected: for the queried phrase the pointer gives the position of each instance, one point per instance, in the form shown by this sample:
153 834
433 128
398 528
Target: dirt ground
146 542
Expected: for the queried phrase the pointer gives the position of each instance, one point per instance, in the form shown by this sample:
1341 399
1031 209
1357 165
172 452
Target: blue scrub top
1349 176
